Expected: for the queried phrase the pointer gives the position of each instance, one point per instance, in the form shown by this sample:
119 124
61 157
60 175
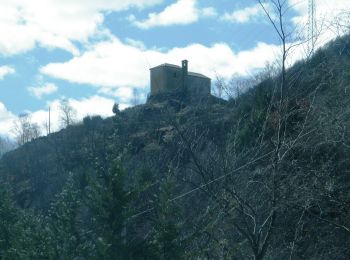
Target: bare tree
136 99
237 85
67 113
250 199
254 207
219 87
25 130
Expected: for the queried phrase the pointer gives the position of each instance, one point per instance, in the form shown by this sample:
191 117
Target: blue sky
97 52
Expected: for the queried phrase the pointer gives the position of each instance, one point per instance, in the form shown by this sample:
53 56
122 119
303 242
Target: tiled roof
194 74
167 65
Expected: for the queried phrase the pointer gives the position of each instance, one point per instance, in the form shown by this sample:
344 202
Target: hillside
264 175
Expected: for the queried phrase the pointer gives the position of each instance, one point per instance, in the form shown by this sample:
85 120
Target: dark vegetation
254 177
6 145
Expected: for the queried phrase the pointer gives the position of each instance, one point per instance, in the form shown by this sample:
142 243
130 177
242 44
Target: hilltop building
169 78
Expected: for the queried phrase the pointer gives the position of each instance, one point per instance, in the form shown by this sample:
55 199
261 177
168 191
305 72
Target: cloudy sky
97 52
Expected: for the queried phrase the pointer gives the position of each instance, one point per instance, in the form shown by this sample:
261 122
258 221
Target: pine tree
63 223
21 233
9 215
108 200
167 224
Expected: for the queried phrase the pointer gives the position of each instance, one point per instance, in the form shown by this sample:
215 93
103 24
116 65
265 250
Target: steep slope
144 133
261 175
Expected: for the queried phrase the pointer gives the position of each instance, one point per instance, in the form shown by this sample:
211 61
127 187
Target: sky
95 53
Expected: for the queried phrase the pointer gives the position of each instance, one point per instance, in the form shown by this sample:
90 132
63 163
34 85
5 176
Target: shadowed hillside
265 175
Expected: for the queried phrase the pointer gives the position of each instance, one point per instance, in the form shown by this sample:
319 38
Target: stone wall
168 79
165 79
198 86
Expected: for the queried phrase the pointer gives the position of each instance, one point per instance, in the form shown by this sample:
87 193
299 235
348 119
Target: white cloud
94 105
91 106
113 65
124 93
244 15
6 70
6 121
329 15
325 10
44 90
181 12
208 12
135 43
55 23
110 63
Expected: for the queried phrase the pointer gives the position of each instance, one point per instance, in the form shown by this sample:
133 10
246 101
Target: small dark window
174 74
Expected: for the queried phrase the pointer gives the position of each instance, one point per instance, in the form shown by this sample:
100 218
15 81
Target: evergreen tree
63 223
167 241
9 215
108 200
21 233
